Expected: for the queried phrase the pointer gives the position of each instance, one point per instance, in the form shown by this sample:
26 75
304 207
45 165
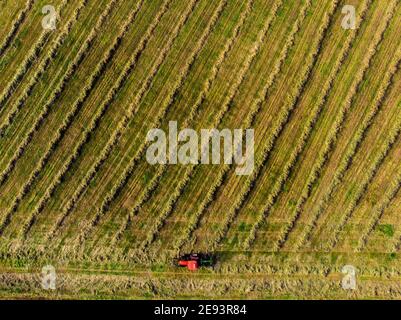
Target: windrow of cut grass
77 191
6 118
185 285
275 62
278 221
24 122
204 70
204 31
385 234
360 193
221 92
39 121
355 180
378 212
121 69
209 236
214 223
393 197
370 91
273 232
225 109
19 92
70 116
379 207
381 227
279 127
186 87
367 215
15 24
317 200
14 70
283 117
307 169
17 136
185 11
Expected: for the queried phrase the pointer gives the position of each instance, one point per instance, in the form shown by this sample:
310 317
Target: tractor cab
194 261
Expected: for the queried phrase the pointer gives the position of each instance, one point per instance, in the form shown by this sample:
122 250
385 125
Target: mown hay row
350 174
15 26
233 91
94 124
353 149
41 69
248 123
73 283
338 125
116 135
30 59
169 99
197 100
283 119
146 194
87 89
364 184
371 172
130 113
62 84
378 212
256 106
373 111
143 197
384 91
25 189
315 172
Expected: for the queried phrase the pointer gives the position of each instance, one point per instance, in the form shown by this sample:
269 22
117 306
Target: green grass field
77 191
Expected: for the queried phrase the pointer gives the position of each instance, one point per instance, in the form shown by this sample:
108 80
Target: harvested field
77 189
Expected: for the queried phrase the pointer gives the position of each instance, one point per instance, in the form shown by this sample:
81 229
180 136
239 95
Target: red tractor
194 261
